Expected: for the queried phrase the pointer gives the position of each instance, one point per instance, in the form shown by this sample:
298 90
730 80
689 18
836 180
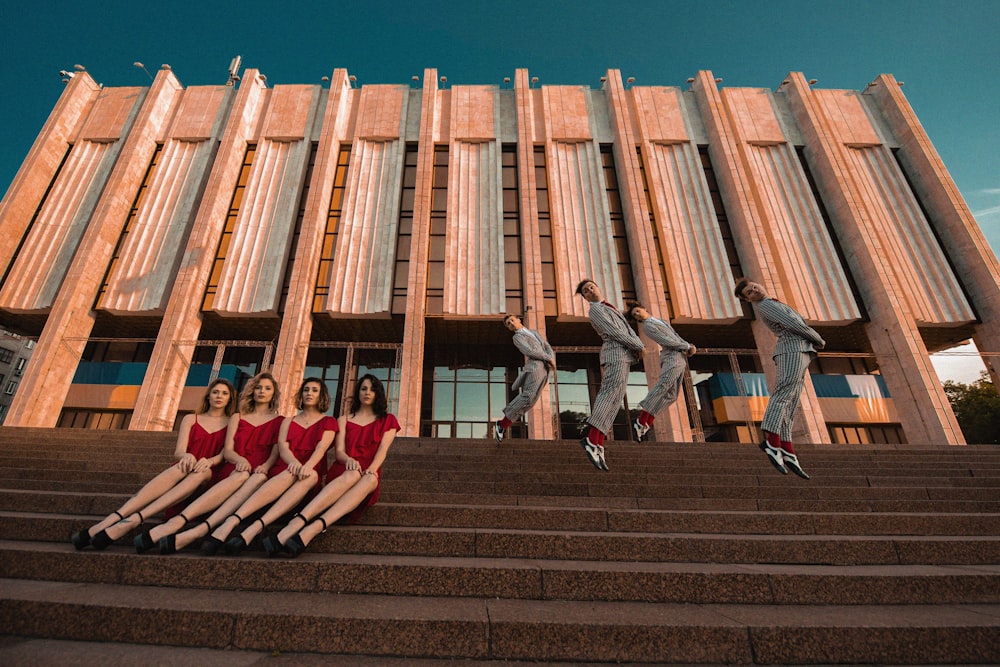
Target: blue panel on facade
827 386
125 373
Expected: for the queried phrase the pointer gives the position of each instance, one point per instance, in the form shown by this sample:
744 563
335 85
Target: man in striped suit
796 348
674 351
621 348
534 376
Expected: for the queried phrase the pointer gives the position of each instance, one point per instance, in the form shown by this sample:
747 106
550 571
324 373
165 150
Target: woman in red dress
199 452
249 454
302 444
353 483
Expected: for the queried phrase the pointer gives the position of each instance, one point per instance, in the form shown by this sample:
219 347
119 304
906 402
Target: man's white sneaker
792 461
774 456
640 430
498 431
595 453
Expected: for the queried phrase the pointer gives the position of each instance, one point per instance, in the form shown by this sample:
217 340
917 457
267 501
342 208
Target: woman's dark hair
246 396
324 395
381 404
629 305
206 403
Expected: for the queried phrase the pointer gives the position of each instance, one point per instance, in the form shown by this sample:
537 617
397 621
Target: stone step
95 507
493 628
679 582
598 545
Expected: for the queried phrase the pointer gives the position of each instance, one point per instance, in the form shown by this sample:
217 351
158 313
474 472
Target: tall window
656 233
720 212
293 247
150 170
439 228
227 233
545 233
511 231
617 222
330 235
405 233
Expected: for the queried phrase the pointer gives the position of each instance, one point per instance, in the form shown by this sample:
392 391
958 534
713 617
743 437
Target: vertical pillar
71 319
903 360
968 250
296 323
414 328
674 424
744 211
541 425
163 386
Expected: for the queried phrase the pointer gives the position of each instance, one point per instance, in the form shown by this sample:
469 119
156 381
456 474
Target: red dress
253 443
303 441
204 445
361 443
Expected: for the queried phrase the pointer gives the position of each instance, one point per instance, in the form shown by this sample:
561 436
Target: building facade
157 237
15 351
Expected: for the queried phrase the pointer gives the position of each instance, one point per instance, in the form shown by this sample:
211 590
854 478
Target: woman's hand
261 469
187 463
242 465
202 465
352 464
295 468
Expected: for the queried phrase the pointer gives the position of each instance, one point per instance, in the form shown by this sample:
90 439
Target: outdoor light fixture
812 82
143 68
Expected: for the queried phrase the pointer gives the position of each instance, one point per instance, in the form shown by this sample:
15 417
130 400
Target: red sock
772 439
646 419
505 423
788 447
595 436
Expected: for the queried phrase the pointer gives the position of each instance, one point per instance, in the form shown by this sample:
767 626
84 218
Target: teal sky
947 53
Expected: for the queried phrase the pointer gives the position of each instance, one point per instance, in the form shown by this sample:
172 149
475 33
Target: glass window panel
509 178
403 247
409 177
508 158
440 200
439 225
402 274
512 275
471 402
406 203
441 156
543 201
510 200
405 225
512 249
437 250
337 201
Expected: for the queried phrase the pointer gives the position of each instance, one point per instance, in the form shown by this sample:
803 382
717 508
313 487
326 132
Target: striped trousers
668 384
784 401
531 382
614 382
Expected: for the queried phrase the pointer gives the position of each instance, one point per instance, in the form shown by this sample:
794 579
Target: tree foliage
977 409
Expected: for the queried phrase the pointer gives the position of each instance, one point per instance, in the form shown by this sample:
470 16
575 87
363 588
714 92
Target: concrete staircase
683 553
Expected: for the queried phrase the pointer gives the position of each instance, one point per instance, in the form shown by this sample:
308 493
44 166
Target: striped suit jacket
621 343
794 335
664 335
536 349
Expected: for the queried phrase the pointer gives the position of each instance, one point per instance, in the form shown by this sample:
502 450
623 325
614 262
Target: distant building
157 237
15 351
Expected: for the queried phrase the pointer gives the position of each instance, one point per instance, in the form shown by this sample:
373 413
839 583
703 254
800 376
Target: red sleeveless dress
253 443
361 443
303 441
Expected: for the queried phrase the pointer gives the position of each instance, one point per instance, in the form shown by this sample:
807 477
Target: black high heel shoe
210 546
143 542
102 540
235 545
272 547
168 544
295 546
80 540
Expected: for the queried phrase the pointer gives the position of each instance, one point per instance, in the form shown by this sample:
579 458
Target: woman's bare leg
323 500
181 490
203 504
282 506
347 503
264 496
153 489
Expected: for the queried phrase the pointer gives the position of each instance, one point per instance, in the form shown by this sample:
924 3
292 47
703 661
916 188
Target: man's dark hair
629 305
579 288
741 283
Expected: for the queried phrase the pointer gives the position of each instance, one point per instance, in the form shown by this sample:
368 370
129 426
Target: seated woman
199 450
249 454
353 482
302 444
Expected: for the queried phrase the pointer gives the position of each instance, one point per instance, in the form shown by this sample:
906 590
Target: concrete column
975 263
296 322
39 167
412 370
745 213
163 386
541 425
923 408
673 425
45 386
